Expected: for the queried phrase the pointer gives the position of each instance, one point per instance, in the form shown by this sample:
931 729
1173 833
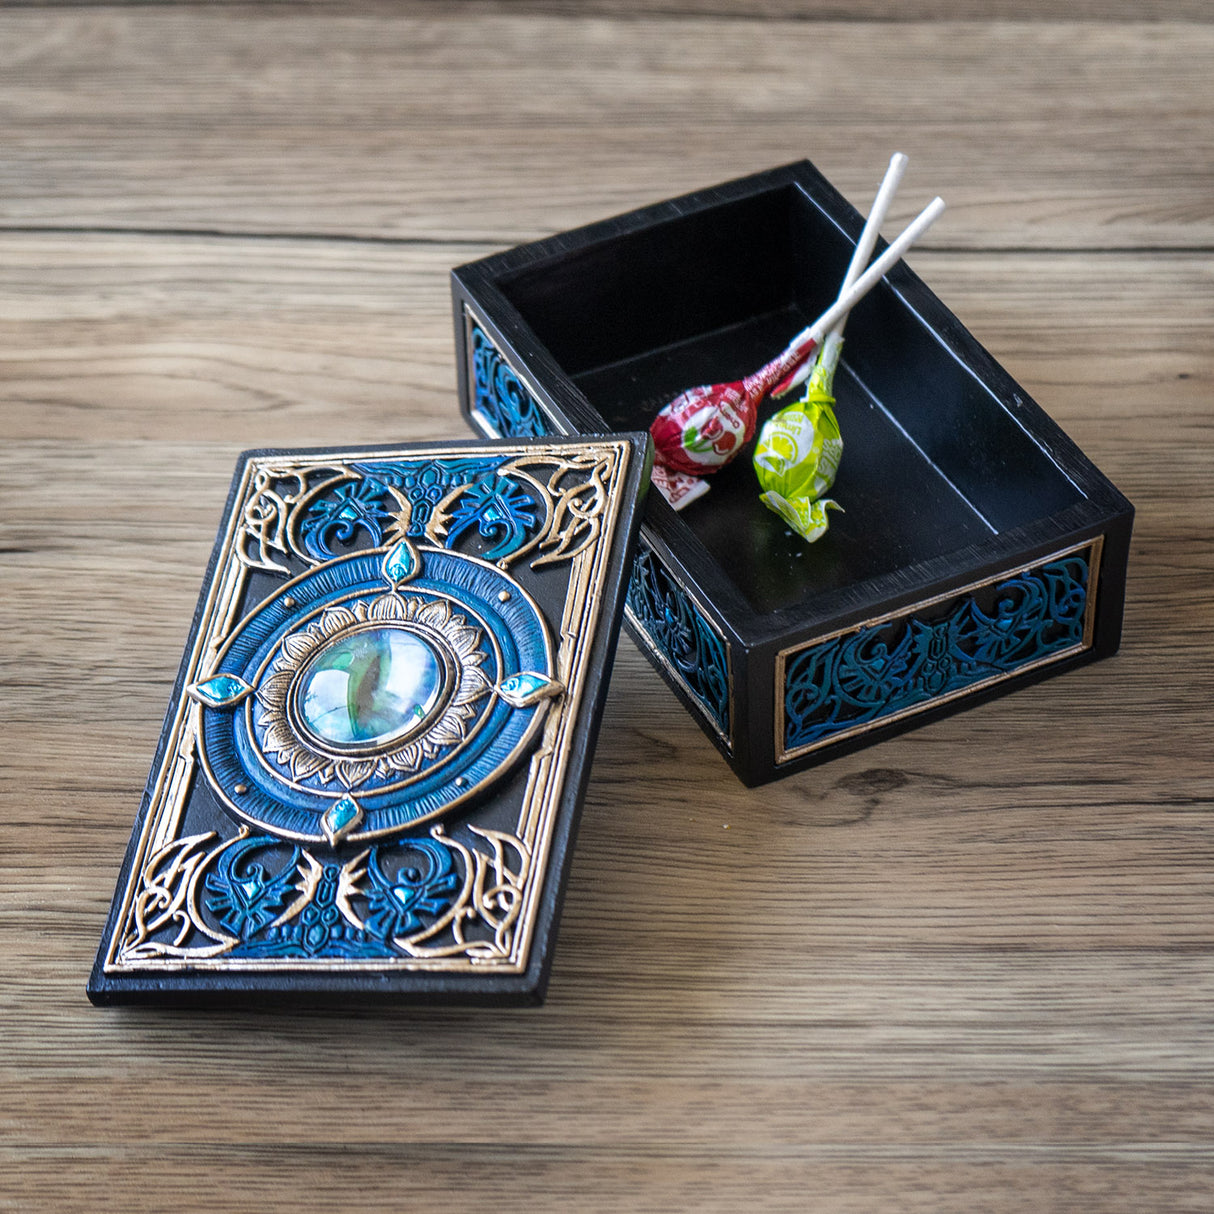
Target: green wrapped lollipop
799 449
798 454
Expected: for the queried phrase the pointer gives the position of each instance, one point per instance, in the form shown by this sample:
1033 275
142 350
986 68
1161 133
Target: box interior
933 460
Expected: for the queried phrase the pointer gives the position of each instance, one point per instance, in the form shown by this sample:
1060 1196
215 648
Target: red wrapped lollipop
702 429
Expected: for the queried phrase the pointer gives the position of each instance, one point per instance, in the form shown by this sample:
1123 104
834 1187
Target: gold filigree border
547 768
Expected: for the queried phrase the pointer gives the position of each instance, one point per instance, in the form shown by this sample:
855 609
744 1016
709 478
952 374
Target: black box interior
934 461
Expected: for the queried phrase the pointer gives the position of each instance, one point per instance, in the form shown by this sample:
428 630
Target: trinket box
978 549
373 762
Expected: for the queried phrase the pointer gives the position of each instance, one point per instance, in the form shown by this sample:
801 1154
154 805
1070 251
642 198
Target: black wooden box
980 549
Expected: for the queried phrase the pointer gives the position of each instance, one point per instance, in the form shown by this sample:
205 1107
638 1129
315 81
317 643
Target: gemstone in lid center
370 687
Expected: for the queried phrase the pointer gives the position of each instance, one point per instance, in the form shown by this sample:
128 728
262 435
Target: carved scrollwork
499 397
481 922
264 521
694 652
888 669
165 916
256 896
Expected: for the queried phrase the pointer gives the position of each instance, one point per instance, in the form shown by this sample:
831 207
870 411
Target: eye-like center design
370 688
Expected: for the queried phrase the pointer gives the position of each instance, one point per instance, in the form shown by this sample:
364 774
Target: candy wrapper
677 488
704 428
798 454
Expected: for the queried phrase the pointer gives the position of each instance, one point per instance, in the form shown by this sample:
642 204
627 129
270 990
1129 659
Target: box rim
1101 502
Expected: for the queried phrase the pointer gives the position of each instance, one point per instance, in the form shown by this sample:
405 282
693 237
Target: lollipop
798 455
703 428
799 448
859 259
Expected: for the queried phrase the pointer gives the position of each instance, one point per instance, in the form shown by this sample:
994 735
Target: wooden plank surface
508 128
971 968
878 11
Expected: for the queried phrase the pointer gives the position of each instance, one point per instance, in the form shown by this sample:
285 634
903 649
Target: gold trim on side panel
1096 546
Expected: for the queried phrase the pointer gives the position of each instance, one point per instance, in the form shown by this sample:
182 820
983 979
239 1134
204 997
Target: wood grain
751 10
970 968
506 128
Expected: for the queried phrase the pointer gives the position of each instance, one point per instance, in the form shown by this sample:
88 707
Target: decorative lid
372 766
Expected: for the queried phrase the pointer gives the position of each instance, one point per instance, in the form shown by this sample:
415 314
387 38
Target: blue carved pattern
498 395
499 508
425 482
340 515
243 894
680 632
421 881
905 664
277 906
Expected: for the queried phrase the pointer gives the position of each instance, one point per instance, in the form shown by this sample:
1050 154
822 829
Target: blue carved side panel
690 646
907 664
499 398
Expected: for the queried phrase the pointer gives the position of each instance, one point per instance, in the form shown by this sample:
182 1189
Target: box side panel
498 398
689 647
509 385
680 636
982 639
1110 599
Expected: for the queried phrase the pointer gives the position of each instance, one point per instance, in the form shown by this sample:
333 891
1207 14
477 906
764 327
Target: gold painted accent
264 520
503 885
503 596
1089 625
240 789
492 894
449 635
309 879
168 893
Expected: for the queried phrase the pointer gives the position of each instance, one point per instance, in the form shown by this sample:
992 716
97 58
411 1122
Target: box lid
374 758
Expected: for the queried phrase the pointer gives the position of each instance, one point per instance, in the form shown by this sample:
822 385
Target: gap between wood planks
871 12
404 242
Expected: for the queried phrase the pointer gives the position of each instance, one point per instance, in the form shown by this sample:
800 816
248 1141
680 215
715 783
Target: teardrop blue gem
401 563
524 689
341 819
220 691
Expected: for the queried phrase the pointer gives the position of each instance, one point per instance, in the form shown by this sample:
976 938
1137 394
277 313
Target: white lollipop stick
859 259
869 237
872 225
808 340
